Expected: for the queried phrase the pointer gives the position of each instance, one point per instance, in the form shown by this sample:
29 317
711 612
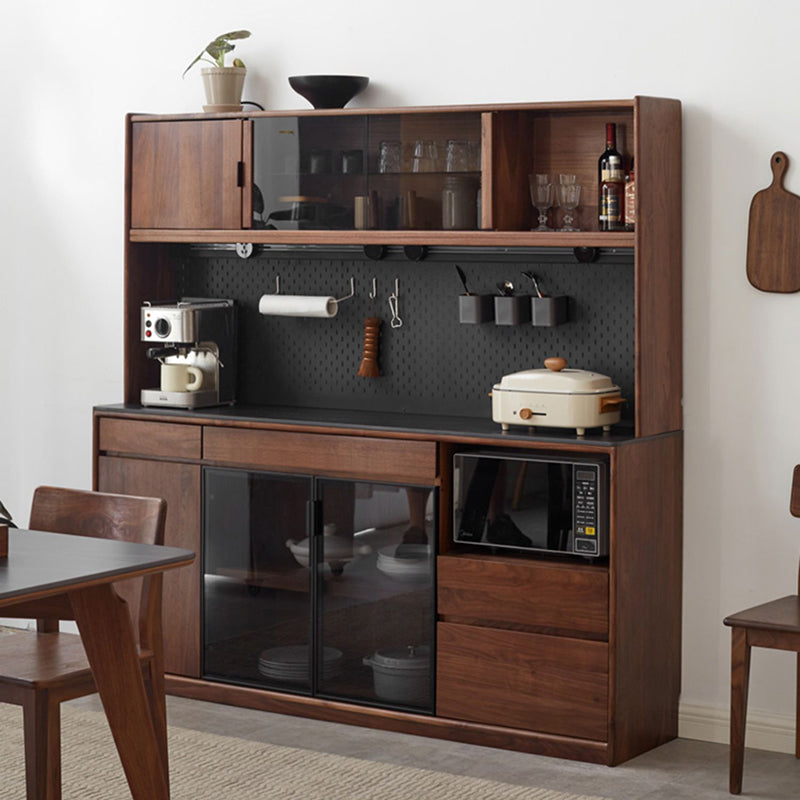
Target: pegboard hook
374 293
352 291
394 305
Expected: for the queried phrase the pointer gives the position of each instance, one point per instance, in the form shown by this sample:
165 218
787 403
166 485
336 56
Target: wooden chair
775 624
41 669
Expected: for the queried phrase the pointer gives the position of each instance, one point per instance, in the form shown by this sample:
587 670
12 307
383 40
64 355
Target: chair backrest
108 516
794 503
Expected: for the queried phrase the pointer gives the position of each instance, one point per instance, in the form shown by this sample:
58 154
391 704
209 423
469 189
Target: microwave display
530 503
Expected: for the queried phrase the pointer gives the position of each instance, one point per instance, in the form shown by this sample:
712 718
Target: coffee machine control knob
162 327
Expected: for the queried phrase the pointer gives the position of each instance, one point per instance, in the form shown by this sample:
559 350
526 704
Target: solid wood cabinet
179 485
546 655
188 175
553 684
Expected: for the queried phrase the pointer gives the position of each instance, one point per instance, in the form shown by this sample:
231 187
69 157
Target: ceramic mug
180 378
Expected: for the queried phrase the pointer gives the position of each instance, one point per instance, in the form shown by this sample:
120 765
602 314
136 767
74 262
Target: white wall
74 69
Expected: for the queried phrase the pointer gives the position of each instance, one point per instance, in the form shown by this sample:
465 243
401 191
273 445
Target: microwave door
559 514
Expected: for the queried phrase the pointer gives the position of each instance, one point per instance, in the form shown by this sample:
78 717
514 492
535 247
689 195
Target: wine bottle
611 184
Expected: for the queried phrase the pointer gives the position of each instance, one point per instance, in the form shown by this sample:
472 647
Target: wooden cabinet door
179 485
187 174
549 684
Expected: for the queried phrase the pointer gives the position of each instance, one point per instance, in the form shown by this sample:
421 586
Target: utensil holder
549 311
512 310
474 309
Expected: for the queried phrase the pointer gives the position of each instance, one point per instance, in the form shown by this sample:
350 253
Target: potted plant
223 84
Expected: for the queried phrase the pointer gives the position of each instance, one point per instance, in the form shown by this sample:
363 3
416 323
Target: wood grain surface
773 236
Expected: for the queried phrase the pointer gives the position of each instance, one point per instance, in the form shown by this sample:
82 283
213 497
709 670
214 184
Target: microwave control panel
585 509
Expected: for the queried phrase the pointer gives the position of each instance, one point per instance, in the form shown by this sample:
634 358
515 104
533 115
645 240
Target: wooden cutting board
773 238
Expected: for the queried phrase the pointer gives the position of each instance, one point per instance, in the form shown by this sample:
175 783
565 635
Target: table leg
107 632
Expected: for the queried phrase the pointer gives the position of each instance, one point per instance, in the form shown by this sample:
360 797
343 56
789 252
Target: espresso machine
194 340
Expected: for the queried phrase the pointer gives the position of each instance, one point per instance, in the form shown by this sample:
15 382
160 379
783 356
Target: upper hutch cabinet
454 175
188 175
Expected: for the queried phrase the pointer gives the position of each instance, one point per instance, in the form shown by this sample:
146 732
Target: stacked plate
290 663
405 562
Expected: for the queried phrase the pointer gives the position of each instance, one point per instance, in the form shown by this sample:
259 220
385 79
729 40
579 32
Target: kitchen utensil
402 675
529 274
773 237
369 360
463 278
328 91
506 288
338 551
556 397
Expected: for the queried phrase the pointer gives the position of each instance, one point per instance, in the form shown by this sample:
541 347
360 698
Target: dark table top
41 564
432 425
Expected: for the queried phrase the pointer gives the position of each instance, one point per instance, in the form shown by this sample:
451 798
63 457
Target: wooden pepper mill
369 361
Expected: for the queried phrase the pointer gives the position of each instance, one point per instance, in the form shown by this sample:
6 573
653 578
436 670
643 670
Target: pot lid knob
555 364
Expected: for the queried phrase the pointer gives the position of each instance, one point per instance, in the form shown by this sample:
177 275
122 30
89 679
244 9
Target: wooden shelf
431 238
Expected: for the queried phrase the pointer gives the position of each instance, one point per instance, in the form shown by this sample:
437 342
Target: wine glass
541 198
568 195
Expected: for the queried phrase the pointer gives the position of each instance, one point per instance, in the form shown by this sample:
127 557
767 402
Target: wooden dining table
71 577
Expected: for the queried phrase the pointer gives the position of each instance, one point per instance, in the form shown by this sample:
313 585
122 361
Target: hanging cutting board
773 238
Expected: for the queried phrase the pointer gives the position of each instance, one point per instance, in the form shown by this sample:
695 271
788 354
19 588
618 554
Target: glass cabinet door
257 580
375 593
367 172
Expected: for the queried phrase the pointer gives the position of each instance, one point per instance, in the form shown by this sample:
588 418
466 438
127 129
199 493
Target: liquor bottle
630 200
611 184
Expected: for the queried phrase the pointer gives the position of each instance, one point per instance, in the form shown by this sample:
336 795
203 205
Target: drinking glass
426 156
390 155
541 198
568 195
458 156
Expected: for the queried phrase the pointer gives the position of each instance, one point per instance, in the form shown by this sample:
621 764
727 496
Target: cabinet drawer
514 592
347 456
548 684
149 438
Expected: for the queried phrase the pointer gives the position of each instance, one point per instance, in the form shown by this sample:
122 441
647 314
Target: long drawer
524 593
365 457
548 684
134 437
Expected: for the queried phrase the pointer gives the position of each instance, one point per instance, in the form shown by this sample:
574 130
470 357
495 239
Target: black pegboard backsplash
432 364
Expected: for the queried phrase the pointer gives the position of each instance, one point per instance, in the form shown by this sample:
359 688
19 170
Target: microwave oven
531 502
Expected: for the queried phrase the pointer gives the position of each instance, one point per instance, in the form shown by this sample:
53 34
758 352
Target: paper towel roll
297 305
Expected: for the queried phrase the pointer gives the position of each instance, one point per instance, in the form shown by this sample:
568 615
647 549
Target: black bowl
328 91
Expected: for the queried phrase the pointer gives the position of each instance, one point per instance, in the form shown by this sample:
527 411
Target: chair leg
797 713
740 677
42 727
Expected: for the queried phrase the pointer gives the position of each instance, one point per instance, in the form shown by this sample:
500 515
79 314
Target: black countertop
426 425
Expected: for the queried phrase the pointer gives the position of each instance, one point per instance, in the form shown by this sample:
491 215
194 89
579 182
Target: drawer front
149 438
547 684
373 459
533 594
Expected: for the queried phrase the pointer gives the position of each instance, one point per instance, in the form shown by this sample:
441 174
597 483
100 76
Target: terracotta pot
223 87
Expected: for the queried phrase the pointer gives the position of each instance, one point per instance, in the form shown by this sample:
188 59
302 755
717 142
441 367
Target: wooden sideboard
562 656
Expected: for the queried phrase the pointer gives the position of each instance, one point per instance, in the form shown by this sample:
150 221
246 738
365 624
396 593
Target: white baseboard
763 731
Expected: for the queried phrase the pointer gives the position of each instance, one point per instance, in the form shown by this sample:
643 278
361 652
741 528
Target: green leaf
218 47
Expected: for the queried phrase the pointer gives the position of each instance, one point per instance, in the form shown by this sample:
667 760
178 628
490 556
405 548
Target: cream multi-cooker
556 397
